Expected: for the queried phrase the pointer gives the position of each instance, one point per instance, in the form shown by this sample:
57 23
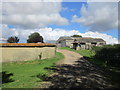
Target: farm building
79 42
26 51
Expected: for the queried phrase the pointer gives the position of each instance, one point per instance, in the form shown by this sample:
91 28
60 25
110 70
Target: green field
25 74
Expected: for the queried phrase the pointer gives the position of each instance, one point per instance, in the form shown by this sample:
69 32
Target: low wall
26 53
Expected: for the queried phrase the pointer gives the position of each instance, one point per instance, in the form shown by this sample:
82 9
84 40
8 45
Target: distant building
79 42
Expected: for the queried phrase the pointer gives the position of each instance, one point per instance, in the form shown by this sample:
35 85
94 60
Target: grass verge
86 53
25 74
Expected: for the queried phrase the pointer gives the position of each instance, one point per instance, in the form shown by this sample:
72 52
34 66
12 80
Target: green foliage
76 36
34 38
13 40
28 74
109 54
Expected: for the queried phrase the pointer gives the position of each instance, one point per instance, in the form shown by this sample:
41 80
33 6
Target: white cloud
7 32
53 34
31 0
2 39
98 16
47 33
32 14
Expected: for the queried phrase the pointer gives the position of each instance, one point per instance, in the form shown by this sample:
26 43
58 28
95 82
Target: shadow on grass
6 77
42 77
84 74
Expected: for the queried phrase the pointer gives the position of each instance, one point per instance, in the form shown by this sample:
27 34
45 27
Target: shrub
109 54
13 40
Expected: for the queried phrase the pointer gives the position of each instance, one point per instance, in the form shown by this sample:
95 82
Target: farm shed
78 43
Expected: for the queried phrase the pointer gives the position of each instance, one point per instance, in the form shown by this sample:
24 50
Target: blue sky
76 6
70 9
53 20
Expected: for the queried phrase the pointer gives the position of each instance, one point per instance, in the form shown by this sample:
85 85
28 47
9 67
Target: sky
55 19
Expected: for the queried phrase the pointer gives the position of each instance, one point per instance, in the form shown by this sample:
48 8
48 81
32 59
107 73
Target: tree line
33 38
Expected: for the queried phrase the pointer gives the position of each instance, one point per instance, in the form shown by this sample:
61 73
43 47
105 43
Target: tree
13 39
76 36
34 38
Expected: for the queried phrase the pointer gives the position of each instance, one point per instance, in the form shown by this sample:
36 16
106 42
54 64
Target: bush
13 40
109 54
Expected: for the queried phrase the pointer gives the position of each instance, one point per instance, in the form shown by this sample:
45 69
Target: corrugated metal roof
66 38
26 44
82 39
89 40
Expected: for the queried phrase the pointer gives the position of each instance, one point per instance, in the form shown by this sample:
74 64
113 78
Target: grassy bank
86 53
26 74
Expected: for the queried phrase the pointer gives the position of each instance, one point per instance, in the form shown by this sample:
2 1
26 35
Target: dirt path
70 57
76 72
